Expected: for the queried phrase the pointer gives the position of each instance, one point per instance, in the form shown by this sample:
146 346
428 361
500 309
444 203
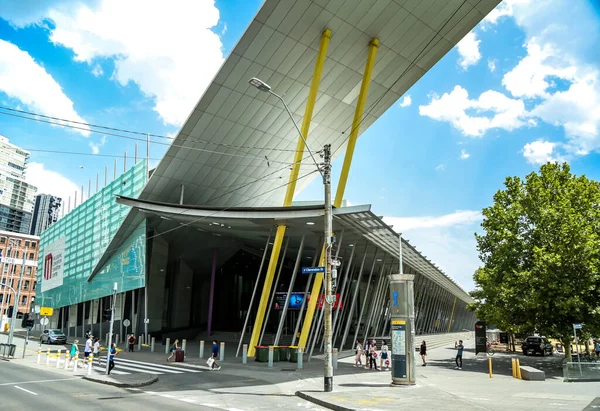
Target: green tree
541 255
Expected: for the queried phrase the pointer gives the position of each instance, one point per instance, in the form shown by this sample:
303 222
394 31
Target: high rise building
45 212
16 195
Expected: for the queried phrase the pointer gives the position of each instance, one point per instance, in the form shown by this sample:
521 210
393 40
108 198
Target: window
28 272
19 243
33 244
26 243
16 254
24 300
31 257
5 268
34 285
26 285
2 240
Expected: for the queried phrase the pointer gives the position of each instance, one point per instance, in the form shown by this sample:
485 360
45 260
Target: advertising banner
53 265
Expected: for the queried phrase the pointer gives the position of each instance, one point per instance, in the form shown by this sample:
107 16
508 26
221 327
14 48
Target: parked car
53 337
537 345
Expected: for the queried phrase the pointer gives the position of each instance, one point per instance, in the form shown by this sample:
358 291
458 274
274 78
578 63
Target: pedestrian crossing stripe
122 365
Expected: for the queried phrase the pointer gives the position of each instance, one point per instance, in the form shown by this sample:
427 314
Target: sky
521 89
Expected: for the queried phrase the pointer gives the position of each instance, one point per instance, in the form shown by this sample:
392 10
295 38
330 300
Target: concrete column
212 285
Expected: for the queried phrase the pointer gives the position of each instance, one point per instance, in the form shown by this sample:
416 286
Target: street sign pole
575 328
110 330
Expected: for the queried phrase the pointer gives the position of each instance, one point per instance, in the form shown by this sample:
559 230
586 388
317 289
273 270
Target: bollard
201 349
39 354
75 360
490 365
140 343
222 352
152 344
518 369
67 360
245 354
270 356
58 359
90 363
183 344
513 364
334 357
299 364
167 345
48 357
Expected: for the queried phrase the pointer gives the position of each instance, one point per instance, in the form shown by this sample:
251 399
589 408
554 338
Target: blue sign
395 294
312 270
578 326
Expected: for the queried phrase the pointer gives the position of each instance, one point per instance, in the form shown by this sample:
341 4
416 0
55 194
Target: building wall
45 213
13 246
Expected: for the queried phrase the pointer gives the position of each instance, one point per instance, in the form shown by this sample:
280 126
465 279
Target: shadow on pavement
367 385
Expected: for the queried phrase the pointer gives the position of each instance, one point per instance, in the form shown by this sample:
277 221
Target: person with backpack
131 342
174 348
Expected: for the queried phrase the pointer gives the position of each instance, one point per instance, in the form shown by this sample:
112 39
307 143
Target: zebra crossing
125 366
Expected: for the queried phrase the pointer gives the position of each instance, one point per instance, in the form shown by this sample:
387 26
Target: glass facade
79 239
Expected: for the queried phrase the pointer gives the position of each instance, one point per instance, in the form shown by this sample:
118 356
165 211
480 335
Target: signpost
575 328
126 323
44 321
46 311
313 270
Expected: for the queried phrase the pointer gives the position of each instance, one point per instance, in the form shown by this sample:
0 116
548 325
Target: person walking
384 356
359 352
214 355
423 352
87 350
460 347
367 352
74 353
111 357
373 359
174 348
97 349
131 342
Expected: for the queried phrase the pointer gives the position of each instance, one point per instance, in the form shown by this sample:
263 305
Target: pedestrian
131 341
597 346
97 349
88 349
373 360
214 355
367 352
111 357
423 352
74 353
358 354
174 348
384 356
460 347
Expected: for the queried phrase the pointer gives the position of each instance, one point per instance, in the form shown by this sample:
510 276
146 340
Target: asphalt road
23 388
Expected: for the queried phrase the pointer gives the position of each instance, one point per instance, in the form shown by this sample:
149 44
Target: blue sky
521 89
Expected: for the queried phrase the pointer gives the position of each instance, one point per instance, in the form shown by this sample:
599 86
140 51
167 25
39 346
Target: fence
7 350
585 371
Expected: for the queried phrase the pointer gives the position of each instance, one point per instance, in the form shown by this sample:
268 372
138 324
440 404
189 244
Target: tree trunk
512 341
567 348
587 347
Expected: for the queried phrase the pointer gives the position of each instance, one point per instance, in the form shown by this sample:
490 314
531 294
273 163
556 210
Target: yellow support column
291 188
452 315
339 195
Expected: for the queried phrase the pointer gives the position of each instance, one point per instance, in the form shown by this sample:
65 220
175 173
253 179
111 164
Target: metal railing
7 350
581 371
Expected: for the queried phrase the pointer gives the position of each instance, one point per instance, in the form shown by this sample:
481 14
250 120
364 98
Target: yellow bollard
513 364
58 359
39 354
67 359
518 369
490 365
48 357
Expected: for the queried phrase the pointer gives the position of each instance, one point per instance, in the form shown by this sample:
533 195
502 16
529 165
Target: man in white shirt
97 349
88 349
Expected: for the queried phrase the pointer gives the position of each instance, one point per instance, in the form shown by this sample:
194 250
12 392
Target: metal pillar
289 293
345 281
262 262
366 297
373 302
310 279
270 306
212 289
353 303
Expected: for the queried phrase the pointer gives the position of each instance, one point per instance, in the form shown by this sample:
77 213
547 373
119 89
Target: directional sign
577 326
126 323
312 270
44 321
46 311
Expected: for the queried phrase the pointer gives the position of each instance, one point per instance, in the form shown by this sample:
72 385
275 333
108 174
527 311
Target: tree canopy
541 254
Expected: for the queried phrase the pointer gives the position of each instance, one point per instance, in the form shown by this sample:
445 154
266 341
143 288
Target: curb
153 378
322 403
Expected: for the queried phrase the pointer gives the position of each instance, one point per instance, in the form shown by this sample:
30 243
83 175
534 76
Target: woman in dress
423 352
359 350
384 356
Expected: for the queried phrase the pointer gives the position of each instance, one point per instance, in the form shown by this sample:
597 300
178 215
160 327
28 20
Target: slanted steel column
270 306
435 311
212 288
340 313
310 279
374 301
345 280
262 262
366 297
452 315
353 303
289 293
291 188
427 291
339 195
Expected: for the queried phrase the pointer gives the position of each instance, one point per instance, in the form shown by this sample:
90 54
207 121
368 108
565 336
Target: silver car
53 337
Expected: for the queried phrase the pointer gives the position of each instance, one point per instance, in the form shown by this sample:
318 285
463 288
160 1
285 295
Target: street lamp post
325 171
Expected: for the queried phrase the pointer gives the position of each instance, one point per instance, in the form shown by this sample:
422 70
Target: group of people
370 352
212 360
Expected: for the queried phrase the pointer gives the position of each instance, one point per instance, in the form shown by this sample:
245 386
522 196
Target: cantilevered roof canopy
237 144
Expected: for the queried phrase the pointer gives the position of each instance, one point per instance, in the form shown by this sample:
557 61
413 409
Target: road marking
23 389
35 382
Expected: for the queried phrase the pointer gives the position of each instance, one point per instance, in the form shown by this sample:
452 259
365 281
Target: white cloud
464 155
440 168
97 146
167 49
468 49
406 101
447 240
23 79
504 112
539 152
492 65
97 70
50 182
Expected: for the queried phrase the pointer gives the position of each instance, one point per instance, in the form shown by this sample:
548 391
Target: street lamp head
259 84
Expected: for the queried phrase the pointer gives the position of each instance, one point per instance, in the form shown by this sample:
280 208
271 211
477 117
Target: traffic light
106 314
9 312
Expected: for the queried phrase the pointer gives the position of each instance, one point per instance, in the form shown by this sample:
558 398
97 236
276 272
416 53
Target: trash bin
11 350
275 353
3 350
262 353
293 350
284 353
